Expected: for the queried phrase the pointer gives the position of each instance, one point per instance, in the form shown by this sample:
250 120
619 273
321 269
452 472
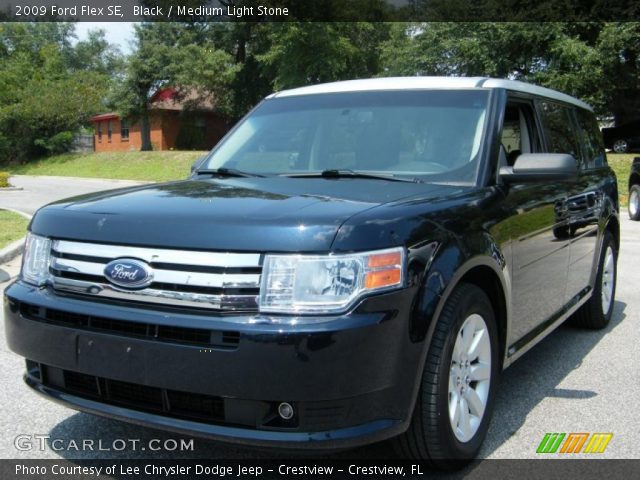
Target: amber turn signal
382 278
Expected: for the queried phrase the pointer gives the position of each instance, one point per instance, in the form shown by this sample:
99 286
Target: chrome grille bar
191 279
154 296
159 255
216 280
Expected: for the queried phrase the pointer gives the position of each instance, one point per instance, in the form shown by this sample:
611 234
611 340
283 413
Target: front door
540 253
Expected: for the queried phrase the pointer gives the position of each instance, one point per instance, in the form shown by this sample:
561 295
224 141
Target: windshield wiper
347 173
227 172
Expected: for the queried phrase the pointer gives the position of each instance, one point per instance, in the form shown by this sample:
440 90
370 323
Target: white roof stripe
428 83
535 90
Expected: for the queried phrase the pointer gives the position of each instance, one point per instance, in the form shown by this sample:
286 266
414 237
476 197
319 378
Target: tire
431 437
596 313
634 202
621 146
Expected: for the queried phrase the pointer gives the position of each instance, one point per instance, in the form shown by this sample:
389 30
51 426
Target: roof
104 116
170 98
430 83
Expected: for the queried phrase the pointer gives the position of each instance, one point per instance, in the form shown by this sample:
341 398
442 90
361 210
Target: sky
118 33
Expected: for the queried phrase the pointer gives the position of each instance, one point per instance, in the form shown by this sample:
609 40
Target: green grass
12 227
150 166
621 164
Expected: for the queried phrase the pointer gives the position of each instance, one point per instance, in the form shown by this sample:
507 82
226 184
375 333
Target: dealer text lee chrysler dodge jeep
353 262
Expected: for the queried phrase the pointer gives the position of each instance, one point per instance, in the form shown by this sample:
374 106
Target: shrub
59 143
4 179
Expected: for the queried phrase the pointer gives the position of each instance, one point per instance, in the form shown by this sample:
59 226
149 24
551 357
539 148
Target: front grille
172 403
195 405
257 414
181 278
80 383
164 333
132 395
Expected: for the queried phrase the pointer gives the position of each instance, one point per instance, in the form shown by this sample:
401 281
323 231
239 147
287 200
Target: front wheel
597 312
456 397
634 202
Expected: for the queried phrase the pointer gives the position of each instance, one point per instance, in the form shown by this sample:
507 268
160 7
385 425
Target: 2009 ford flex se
353 262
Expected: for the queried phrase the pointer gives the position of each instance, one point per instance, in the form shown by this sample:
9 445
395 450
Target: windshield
431 135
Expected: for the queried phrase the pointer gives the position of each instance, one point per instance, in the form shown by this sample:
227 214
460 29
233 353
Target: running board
545 328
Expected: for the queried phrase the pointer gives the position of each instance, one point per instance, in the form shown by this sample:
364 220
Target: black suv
354 262
623 138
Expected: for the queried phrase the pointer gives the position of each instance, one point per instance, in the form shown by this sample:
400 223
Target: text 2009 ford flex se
354 261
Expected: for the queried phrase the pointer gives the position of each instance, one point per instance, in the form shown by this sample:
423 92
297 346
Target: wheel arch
613 226
485 278
483 271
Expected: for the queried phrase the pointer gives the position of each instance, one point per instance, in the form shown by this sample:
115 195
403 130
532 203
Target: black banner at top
320 10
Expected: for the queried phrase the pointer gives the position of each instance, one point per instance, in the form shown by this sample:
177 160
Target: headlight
327 283
35 262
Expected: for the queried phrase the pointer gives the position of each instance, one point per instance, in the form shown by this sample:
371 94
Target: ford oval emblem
129 273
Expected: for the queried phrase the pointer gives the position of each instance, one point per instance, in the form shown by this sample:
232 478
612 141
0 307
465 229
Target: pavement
37 191
573 381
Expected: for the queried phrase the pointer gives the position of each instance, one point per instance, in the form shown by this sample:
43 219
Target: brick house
173 126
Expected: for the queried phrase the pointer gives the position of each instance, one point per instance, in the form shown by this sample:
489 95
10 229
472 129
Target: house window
99 127
109 130
124 129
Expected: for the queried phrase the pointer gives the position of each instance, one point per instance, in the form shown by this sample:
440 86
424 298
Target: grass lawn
151 166
12 227
621 164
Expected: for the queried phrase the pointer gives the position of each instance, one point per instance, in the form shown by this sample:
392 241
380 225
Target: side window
591 140
519 134
511 138
559 130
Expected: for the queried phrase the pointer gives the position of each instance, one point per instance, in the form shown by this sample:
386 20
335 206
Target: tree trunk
145 132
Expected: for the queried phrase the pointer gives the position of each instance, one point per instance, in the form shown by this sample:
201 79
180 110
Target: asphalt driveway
37 191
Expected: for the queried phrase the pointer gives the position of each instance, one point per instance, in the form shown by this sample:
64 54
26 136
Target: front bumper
351 380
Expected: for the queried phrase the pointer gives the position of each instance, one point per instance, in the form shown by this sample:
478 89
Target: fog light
285 411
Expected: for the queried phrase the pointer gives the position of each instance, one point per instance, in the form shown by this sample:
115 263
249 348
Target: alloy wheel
634 203
469 377
608 280
620 146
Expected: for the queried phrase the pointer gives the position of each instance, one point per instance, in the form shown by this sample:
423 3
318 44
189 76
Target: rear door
584 208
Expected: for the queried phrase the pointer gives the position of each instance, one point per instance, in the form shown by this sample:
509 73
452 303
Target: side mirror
541 167
196 164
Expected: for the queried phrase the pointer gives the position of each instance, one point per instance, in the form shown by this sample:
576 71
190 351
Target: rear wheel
597 312
620 146
634 202
454 406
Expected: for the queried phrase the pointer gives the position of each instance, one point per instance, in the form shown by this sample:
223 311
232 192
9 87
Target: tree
169 54
44 97
309 53
597 62
618 47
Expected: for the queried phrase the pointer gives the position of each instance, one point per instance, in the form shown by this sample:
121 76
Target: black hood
242 214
